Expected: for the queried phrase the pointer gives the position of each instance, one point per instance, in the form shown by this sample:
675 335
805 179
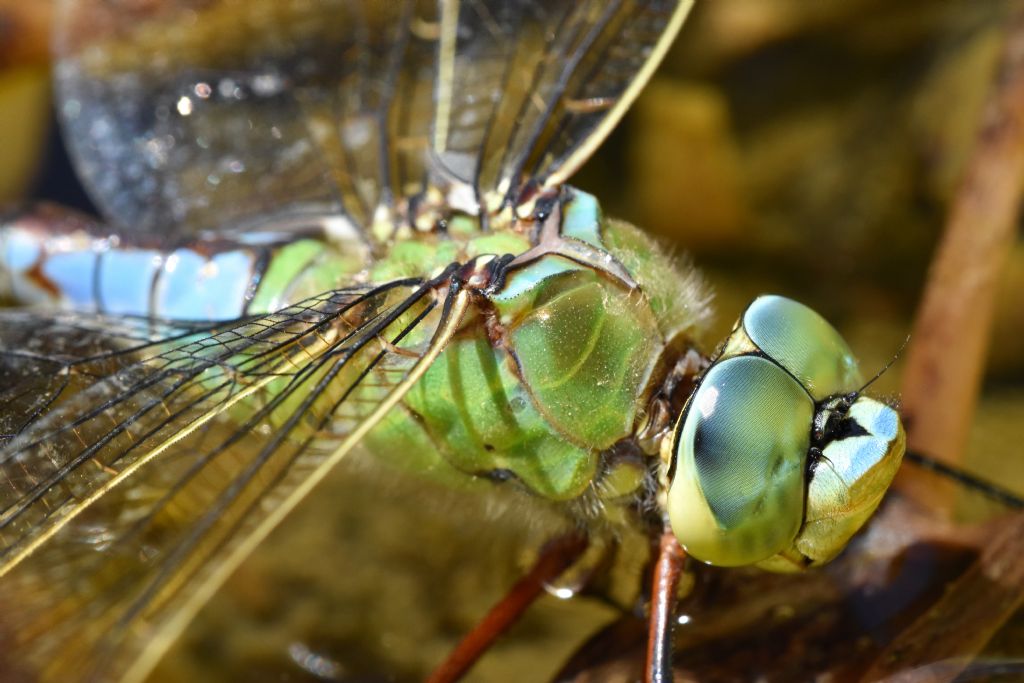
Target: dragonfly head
777 458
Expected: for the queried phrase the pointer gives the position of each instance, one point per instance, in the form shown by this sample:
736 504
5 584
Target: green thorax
555 368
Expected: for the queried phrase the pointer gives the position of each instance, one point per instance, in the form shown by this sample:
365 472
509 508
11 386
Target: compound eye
740 449
804 343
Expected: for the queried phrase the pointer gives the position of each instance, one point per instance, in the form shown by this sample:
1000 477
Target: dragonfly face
777 459
417 281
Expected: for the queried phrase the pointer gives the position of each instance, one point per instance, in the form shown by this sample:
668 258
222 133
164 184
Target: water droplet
578 575
561 592
185 106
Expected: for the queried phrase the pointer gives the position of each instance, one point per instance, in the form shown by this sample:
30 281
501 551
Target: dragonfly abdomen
57 259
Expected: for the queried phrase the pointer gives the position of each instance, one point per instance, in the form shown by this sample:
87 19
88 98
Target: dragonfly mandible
345 224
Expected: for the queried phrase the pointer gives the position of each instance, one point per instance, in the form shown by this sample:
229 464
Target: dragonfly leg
667 569
556 556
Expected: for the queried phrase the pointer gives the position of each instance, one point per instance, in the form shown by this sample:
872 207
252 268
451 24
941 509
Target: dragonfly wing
36 352
528 90
191 114
154 464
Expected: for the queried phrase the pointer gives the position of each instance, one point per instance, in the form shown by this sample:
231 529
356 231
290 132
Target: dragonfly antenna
885 369
986 488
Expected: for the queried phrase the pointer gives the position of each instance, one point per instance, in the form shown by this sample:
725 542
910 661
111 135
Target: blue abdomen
63 261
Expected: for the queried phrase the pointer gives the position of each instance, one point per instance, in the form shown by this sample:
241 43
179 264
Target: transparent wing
199 114
528 90
140 463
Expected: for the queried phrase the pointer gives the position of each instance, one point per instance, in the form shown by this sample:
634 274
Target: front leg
668 567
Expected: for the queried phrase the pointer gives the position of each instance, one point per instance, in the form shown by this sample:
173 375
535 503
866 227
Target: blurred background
805 148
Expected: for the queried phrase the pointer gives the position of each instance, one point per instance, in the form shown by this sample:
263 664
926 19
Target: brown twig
944 641
945 361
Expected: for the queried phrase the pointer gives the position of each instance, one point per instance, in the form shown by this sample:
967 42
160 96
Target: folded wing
140 465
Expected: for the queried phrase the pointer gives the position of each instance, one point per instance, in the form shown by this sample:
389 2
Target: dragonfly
342 225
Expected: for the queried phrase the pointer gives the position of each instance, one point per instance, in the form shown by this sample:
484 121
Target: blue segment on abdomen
74 273
20 249
194 287
59 260
126 279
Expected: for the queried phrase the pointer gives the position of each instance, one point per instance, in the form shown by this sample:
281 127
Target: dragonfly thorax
557 365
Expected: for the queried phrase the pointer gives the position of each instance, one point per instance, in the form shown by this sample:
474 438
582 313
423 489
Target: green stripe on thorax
555 369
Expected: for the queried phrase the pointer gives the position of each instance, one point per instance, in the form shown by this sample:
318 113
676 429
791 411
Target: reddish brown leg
556 556
667 570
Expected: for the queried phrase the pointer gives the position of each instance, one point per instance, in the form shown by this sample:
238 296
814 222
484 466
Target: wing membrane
153 467
200 114
527 90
